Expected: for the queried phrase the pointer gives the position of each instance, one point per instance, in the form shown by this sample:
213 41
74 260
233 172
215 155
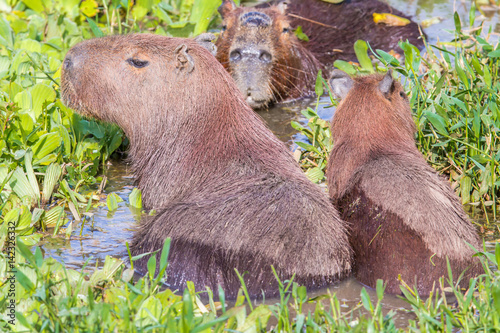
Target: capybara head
262 53
381 110
372 97
114 77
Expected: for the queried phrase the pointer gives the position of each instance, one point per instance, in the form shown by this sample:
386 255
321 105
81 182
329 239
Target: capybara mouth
69 97
256 103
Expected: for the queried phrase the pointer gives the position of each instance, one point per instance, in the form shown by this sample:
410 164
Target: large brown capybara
269 63
228 193
405 219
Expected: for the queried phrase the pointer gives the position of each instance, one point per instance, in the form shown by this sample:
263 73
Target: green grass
52 298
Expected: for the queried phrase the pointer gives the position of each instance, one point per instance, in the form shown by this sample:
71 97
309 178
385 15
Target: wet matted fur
226 190
405 219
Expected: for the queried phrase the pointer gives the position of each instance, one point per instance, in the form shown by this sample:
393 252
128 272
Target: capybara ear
226 7
183 61
282 7
340 83
207 41
386 83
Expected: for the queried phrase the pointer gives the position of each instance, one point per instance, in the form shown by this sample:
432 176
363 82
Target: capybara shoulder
227 191
259 48
406 220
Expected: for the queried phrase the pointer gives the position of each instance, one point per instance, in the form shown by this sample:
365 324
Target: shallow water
105 234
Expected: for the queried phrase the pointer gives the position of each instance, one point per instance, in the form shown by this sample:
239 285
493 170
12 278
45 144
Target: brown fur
292 68
405 219
228 192
295 64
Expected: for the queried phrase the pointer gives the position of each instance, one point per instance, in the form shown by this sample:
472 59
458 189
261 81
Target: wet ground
106 233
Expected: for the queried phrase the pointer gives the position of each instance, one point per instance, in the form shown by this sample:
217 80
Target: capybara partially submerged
269 63
227 192
405 219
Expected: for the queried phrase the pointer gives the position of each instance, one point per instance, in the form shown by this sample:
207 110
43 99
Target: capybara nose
68 62
250 55
235 55
265 56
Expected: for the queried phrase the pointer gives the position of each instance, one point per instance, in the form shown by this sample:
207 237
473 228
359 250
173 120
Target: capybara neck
226 190
367 124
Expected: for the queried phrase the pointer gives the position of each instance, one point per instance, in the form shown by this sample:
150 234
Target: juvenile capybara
405 219
227 192
270 64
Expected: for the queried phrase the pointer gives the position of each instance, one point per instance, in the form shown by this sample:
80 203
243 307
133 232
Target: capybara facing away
405 219
270 64
227 192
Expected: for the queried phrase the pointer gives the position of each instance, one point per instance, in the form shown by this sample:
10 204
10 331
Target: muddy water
105 233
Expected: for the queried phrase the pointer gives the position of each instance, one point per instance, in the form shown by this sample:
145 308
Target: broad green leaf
12 216
494 54
315 174
344 66
300 34
201 14
53 216
24 281
6 33
465 188
46 144
89 8
31 175
95 29
361 50
112 201
52 175
40 94
135 198
437 121
30 45
21 186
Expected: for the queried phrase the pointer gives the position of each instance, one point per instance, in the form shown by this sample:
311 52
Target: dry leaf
390 19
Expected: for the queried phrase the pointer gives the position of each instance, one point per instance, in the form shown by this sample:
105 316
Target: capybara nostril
235 55
265 56
68 63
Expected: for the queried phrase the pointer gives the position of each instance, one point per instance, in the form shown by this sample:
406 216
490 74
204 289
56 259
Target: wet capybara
405 219
270 64
227 192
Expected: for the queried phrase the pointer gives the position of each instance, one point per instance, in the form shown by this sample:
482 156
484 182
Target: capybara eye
235 55
402 94
224 27
138 63
286 30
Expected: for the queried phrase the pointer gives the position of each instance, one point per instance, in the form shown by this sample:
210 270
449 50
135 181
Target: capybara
405 219
227 192
269 63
